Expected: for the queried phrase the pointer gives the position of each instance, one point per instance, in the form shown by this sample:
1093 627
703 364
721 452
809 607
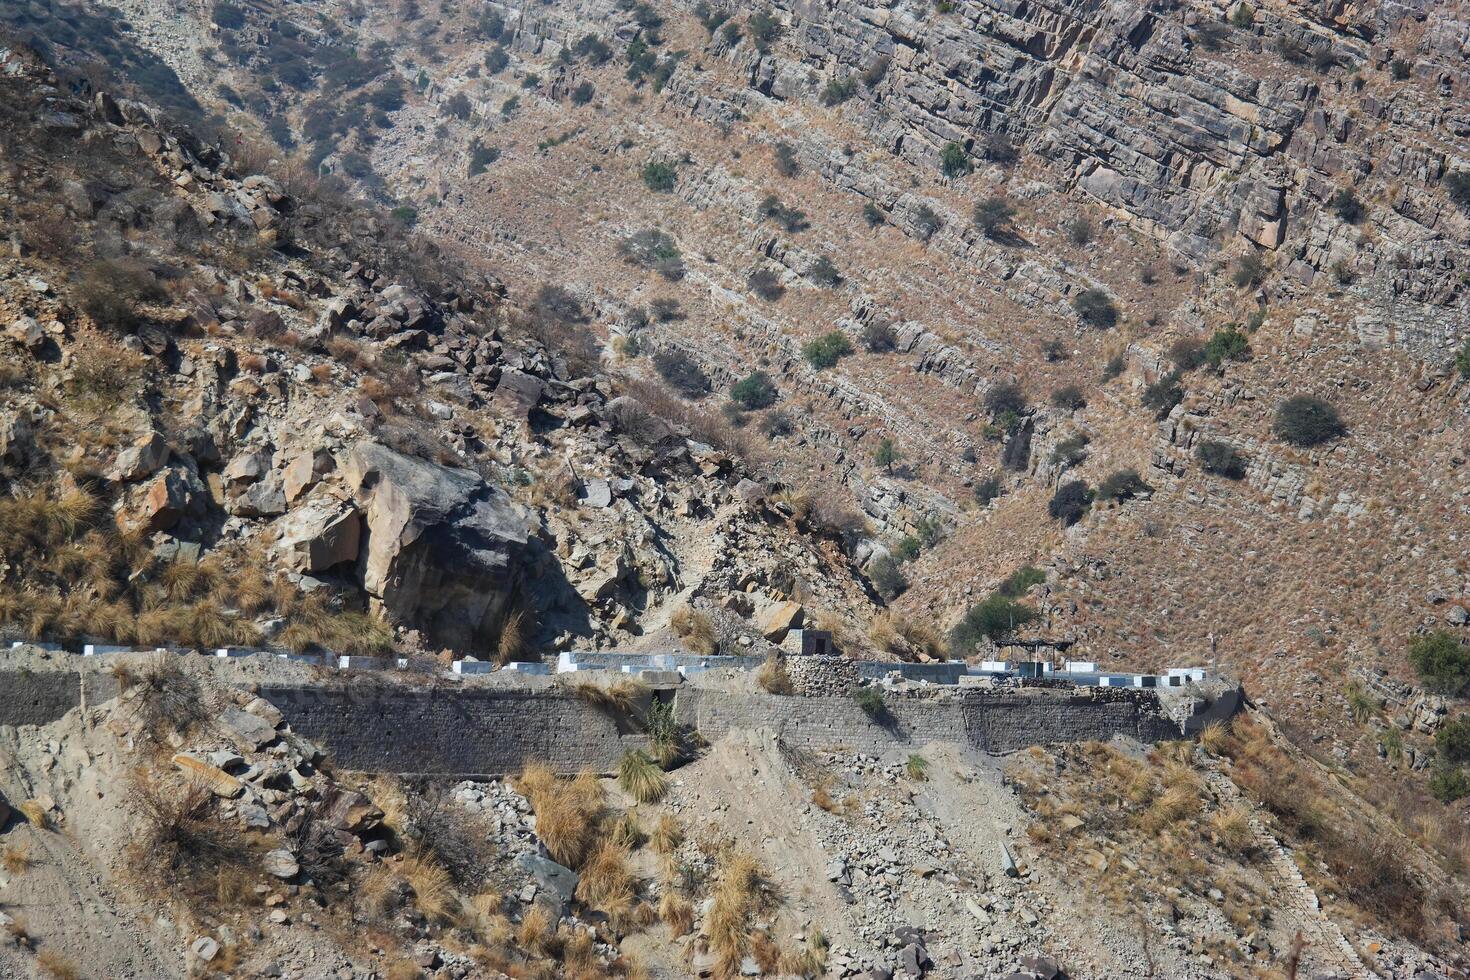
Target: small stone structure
823 676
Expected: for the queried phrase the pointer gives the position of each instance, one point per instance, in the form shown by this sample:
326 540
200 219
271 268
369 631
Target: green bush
886 454
1069 504
987 490
1457 185
993 216
763 29
1462 360
873 214
496 59
1122 485
953 160
582 94
1164 394
681 372
766 284
887 577
1250 270
1305 420
839 90
1243 16
1019 581
653 249
926 222
660 176
1069 398
870 699
1453 739
1070 451
827 350
1449 785
1229 344
1345 205
1003 398
1096 309
993 619
1399 69
1442 661
824 272
1220 458
1114 367
754 391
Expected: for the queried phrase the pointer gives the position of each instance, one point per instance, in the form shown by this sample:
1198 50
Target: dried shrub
773 677
569 812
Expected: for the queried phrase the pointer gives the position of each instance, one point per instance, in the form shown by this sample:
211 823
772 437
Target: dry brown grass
641 778
1232 829
20 935
608 885
773 676
620 697
569 812
433 887
1215 737
741 895
676 913
512 643
35 814
667 835
696 628
1368 867
56 966
15 859
403 970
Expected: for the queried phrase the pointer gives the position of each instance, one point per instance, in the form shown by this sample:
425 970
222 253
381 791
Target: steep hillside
504 329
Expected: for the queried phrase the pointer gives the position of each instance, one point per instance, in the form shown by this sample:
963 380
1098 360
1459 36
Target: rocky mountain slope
419 326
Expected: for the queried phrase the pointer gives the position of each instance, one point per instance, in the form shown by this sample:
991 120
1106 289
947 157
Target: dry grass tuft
676 913
773 676
56 966
537 932
667 835
741 894
403 970
620 697
641 778
16 860
607 883
1215 737
569 812
810 961
512 643
696 628
628 833
35 814
433 887
20 934
1233 830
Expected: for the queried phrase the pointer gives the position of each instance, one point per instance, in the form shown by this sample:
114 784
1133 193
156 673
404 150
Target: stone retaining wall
380 726
38 697
457 731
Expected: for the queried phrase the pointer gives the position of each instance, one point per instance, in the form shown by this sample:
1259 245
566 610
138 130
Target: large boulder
441 548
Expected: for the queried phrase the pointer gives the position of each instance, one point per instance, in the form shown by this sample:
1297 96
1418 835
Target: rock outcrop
441 547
